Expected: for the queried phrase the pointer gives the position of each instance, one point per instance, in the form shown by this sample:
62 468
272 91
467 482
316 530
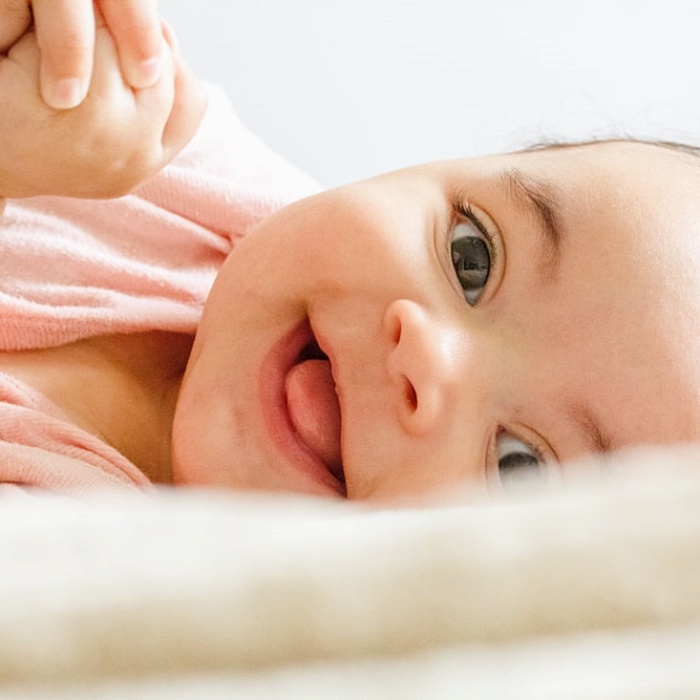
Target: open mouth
303 410
312 404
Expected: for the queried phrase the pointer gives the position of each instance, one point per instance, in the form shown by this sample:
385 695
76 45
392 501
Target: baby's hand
107 145
65 32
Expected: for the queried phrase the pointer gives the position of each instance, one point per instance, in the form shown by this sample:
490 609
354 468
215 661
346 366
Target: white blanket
591 590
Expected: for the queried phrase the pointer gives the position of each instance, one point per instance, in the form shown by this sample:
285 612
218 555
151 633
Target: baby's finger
15 18
135 26
189 104
66 34
189 108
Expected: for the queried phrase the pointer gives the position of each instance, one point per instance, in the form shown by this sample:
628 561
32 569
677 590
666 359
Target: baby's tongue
313 407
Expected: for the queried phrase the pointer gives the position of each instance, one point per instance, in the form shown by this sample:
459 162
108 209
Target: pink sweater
72 269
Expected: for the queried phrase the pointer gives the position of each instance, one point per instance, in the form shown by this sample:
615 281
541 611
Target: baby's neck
122 389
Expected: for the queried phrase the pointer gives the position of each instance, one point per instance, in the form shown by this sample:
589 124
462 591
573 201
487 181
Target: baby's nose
422 363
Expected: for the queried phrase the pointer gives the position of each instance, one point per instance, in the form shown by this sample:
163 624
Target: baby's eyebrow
597 438
539 199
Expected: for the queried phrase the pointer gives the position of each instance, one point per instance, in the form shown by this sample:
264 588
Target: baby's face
433 327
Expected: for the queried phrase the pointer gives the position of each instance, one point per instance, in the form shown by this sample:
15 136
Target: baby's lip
304 419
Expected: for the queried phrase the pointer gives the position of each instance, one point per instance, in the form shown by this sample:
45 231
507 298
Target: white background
349 89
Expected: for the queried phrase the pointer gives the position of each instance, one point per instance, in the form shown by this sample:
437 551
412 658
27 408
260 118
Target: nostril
421 353
410 395
393 326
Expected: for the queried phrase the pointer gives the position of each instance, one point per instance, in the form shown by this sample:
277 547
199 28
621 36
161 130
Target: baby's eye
470 250
516 459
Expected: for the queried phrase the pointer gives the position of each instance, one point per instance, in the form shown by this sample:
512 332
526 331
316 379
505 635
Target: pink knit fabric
72 269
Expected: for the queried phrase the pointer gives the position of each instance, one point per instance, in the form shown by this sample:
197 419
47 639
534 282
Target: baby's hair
677 146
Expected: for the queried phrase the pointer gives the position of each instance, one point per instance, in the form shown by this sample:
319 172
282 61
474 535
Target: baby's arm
66 34
107 145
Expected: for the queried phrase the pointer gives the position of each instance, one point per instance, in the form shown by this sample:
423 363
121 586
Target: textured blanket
590 589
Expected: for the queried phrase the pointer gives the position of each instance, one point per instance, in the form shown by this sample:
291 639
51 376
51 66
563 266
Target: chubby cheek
202 436
189 428
352 236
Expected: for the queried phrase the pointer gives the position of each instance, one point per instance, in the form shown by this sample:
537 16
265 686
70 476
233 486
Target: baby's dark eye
516 459
471 258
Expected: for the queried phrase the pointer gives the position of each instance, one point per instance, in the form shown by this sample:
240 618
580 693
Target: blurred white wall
350 89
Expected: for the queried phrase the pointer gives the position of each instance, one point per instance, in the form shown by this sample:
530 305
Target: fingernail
66 94
149 71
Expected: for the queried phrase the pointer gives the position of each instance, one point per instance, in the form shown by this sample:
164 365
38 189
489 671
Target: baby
437 328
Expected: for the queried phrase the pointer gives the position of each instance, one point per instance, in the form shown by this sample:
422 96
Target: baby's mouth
312 404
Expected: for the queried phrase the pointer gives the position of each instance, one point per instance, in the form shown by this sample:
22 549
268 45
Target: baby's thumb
189 104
